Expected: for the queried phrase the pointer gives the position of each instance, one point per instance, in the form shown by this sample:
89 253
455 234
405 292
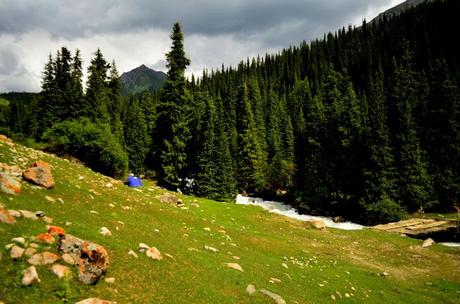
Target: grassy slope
335 261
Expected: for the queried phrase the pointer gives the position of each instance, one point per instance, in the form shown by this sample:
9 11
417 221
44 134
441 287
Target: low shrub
92 143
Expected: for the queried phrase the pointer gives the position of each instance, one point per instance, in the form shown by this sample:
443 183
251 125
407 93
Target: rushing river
289 211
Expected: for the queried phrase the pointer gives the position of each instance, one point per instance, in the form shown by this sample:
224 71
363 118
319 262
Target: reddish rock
5 217
92 259
8 184
40 174
56 230
45 238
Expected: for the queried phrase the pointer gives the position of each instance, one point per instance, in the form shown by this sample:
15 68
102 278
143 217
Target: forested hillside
363 122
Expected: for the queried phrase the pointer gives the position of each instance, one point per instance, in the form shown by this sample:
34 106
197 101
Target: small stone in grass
251 289
132 253
235 266
16 252
30 251
212 249
142 247
154 254
66 257
40 213
19 240
30 276
60 270
105 231
110 280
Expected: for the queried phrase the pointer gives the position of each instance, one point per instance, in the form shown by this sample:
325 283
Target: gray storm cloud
248 27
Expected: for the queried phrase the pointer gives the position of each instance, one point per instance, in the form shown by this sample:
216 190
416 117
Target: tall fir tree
49 95
77 104
97 92
413 181
251 161
173 133
136 137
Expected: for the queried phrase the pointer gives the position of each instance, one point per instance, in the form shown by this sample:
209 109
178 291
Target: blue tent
134 181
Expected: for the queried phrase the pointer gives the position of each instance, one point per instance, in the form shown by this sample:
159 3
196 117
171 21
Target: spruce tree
173 131
251 161
136 137
77 103
206 178
97 92
413 181
115 107
49 95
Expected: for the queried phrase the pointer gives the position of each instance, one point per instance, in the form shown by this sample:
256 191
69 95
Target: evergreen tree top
177 61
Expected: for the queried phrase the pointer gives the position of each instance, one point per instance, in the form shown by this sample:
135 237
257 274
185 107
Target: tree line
363 123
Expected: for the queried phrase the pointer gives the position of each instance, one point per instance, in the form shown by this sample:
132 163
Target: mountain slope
141 79
305 265
398 9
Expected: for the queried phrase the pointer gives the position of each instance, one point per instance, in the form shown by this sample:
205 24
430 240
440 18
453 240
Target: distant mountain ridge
398 9
141 79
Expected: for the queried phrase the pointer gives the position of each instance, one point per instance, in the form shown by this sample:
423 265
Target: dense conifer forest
363 122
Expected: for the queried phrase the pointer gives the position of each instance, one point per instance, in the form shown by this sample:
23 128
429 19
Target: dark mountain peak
142 79
398 9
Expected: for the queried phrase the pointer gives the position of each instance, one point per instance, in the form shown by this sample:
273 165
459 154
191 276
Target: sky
136 32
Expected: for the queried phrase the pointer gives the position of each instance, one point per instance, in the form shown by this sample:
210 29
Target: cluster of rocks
91 260
151 252
39 174
7 216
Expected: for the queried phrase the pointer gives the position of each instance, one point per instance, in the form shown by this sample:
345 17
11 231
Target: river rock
39 174
94 301
30 276
427 243
5 217
9 184
318 224
92 259
277 298
60 270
